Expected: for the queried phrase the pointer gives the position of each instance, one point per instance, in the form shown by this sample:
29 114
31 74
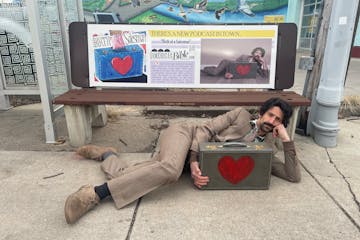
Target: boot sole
67 209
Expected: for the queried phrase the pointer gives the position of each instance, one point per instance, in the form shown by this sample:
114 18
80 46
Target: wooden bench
85 107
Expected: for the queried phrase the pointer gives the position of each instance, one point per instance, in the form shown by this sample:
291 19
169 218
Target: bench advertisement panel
180 56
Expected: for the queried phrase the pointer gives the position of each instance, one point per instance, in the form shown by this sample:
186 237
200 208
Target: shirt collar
255 128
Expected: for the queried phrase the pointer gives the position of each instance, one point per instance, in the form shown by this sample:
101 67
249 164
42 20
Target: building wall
295 15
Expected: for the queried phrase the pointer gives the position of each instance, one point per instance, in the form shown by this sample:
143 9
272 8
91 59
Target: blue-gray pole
323 118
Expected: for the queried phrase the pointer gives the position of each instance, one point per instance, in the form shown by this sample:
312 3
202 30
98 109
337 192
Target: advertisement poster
205 56
185 11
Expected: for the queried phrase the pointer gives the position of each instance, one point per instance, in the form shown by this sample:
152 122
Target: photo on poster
240 61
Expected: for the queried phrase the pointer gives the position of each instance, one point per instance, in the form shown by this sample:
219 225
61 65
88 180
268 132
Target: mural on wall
185 11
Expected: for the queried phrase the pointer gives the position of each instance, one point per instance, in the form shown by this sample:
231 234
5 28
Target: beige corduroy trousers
128 183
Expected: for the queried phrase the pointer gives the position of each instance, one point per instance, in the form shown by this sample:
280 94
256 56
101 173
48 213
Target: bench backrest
284 69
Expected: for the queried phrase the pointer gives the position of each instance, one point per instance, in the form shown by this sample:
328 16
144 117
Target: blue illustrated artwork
125 62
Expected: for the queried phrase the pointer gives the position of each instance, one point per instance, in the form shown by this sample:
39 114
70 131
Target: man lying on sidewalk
128 183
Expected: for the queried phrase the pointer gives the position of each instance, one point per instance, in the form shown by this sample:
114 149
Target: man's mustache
269 124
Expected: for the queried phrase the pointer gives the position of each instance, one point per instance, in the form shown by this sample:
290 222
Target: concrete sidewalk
323 206
36 178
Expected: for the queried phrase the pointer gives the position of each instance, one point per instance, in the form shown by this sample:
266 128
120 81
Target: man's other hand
199 180
280 131
228 75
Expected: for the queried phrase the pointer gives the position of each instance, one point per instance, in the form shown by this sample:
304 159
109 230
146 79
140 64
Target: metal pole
41 69
323 120
65 40
4 99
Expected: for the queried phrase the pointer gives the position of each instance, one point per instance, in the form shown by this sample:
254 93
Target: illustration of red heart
235 170
122 66
243 69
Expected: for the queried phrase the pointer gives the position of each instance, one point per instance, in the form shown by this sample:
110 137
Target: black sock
102 191
107 154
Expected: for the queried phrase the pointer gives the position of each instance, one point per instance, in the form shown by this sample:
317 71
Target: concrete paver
285 211
336 169
32 207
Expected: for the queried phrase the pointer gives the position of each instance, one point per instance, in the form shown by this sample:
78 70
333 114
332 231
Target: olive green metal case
236 165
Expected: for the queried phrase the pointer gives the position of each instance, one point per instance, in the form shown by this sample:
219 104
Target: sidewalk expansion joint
135 212
345 179
332 198
133 219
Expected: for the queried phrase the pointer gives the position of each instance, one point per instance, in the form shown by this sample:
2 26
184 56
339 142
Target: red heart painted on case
235 170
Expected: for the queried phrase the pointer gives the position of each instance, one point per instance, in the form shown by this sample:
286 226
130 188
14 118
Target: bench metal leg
293 121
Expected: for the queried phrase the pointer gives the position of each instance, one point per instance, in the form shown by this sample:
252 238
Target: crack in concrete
139 200
133 219
332 198
347 182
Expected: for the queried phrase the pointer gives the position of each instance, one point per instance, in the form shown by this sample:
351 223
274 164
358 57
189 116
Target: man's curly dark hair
260 49
278 102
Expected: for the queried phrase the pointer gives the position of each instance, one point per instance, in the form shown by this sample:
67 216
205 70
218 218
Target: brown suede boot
94 152
80 202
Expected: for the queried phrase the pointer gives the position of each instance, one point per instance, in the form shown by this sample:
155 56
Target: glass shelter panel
54 55
17 58
17 66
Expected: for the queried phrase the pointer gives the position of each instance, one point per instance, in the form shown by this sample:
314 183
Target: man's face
270 119
257 54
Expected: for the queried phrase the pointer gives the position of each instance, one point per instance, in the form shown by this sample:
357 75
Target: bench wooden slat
175 98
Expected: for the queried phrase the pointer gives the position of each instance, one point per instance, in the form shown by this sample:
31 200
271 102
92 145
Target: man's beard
266 127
